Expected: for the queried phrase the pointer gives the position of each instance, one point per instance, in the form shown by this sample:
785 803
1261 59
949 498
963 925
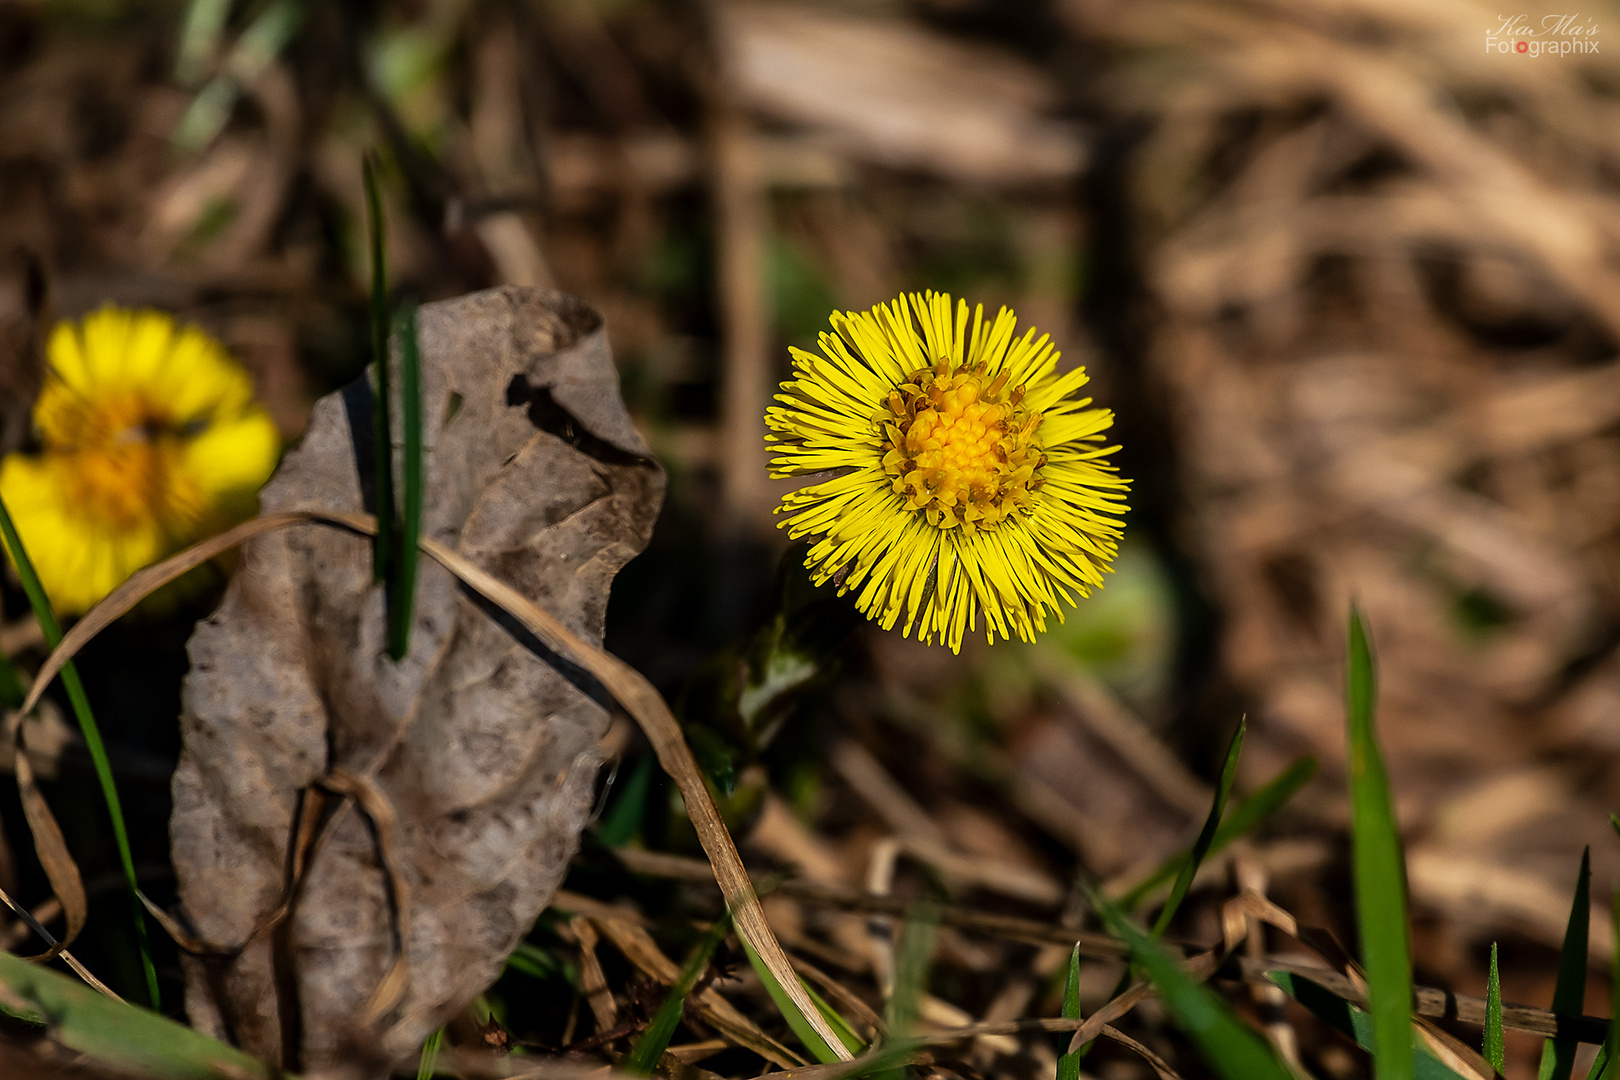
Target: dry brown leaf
485 752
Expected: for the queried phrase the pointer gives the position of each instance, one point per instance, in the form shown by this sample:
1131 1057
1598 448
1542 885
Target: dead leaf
484 751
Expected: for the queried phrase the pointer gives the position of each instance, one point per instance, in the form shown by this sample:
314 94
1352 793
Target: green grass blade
802 1028
621 823
92 738
1569 992
1354 1023
911 957
383 545
650 1047
835 1020
1068 1066
1608 1065
200 34
1245 816
1206 835
533 961
122 1036
1380 877
402 586
1494 1052
428 1063
1233 1049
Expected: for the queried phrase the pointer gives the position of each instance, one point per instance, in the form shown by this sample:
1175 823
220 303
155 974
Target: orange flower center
959 447
122 464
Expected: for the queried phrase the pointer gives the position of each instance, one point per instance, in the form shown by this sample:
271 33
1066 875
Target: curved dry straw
627 685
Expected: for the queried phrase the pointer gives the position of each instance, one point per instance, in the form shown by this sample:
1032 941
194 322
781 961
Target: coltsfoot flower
964 477
148 440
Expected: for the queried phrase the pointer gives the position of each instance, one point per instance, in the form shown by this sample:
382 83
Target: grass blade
1068 1066
650 1047
1354 1023
911 958
1494 1052
1380 876
384 544
255 50
1569 992
1233 1049
402 579
1607 1066
841 1027
116 1034
1206 835
428 1063
52 632
819 1047
622 821
199 38
1244 816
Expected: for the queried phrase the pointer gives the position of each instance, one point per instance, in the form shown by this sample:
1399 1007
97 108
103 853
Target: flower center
959 447
123 466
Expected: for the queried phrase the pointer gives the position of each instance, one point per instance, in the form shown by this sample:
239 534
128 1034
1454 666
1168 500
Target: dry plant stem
68 958
627 685
49 843
379 812
1157 1063
638 947
1429 1001
592 981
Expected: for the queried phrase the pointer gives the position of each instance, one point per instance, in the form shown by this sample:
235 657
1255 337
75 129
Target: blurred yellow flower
968 478
148 440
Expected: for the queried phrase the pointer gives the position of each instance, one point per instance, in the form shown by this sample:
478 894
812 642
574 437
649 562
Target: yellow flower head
967 478
149 439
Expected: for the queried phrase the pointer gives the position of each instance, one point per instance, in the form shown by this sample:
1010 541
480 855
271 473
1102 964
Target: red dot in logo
1523 46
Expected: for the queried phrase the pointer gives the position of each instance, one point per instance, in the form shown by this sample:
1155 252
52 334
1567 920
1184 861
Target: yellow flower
967 478
149 439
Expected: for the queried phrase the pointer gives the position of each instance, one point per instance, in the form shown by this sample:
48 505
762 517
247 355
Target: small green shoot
1232 1048
1244 816
1569 992
911 958
92 738
428 1063
533 961
1379 870
650 1047
624 815
1068 1066
402 580
1206 835
1495 1055
386 540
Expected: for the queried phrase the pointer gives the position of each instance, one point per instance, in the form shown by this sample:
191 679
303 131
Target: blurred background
1346 270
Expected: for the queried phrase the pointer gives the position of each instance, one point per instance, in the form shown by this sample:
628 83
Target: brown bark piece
485 752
